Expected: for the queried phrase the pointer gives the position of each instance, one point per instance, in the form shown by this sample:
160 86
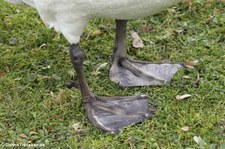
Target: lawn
36 107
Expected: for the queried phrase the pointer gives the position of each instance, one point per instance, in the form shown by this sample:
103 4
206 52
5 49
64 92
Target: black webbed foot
113 113
134 73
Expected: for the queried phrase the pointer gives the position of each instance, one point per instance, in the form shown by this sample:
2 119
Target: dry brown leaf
136 40
185 128
76 126
197 81
181 97
22 135
191 64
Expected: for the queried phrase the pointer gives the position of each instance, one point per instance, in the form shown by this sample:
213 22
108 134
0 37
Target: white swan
70 17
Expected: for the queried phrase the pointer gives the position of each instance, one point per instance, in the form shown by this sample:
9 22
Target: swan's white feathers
70 17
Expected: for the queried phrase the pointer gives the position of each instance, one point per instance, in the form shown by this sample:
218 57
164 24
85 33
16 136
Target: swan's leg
128 72
108 113
76 56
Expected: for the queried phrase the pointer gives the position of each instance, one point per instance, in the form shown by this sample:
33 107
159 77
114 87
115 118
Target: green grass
36 107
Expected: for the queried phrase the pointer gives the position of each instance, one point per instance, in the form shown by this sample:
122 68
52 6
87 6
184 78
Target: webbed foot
114 113
134 73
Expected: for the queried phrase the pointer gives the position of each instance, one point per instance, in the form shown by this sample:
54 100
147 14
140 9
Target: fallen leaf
185 128
199 140
181 97
43 45
186 77
191 64
76 126
197 81
33 133
23 136
136 40
100 66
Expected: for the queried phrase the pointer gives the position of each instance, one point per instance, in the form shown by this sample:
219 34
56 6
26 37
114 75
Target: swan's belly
71 16
129 9
115 9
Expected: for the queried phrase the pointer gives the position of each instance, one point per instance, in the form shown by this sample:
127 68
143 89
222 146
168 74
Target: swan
70 17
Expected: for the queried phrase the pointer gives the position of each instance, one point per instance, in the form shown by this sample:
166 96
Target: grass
37 108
